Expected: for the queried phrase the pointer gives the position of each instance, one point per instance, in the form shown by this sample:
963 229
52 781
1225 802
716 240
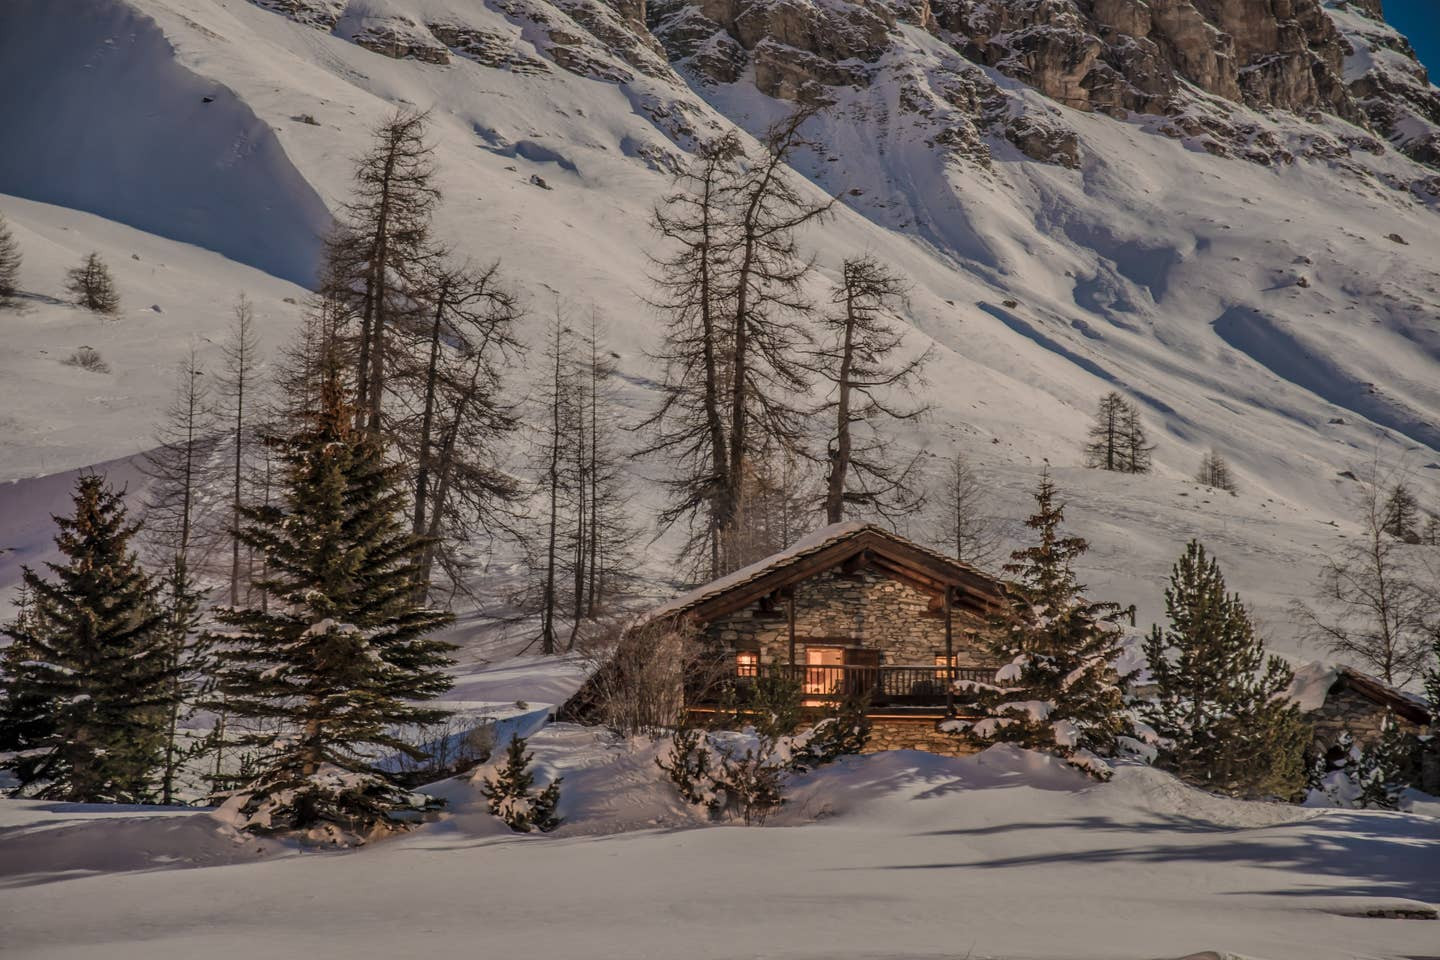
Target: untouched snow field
896 855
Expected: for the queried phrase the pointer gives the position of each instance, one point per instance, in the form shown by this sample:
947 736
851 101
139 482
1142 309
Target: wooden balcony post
949 658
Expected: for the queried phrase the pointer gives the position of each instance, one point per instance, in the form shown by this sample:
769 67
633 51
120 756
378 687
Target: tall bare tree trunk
840 454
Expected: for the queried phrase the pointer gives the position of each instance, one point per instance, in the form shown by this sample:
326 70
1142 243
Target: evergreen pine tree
9 262
1381 771
510 797
1401 518
1221 711
92 286
1060 691
97 663
25 714
337 659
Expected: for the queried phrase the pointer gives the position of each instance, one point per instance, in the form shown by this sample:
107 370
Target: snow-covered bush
331 806
736 775
87 358
688 767
844 734
741 774
511 795
751 784
1371 778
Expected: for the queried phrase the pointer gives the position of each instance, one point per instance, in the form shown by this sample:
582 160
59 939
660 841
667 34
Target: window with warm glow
747 664
941 663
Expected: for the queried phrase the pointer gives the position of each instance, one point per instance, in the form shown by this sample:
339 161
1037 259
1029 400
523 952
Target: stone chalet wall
916 733
1346 709
867 609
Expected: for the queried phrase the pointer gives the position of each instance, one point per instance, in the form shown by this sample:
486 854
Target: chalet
855 609
1337 699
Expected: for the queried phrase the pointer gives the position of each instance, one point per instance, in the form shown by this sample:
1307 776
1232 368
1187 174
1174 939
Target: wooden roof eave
1379 693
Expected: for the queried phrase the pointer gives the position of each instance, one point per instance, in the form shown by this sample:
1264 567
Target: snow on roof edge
812 542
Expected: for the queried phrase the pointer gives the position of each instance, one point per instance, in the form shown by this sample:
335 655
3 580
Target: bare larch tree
1117 437
9 262
734 306
378 255
766 272
689 423
452 377
237 385
1215 472
868 389
1372 602
92 286
180 530
963 523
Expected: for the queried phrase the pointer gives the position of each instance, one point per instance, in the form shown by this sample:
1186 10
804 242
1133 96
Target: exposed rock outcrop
487 48
1122 55
1390 84
1192 62
1158 57
321 14
590 38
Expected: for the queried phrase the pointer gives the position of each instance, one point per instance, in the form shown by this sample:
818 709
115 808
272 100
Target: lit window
941 663
747 664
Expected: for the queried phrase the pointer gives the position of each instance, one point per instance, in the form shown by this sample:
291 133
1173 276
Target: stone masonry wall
867 609
1345 709
904 733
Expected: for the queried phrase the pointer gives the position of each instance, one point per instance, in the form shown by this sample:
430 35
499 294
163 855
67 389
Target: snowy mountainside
59 417
1259 277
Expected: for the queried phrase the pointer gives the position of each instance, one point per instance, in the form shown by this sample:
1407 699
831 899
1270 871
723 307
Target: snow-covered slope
101 116
59 417
1007 854
1282 312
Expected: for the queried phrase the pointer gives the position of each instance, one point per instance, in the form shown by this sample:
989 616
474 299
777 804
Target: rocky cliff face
1153 57
1122 55
1197 65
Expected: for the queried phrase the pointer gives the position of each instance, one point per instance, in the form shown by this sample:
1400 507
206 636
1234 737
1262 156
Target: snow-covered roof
1314 682
807 546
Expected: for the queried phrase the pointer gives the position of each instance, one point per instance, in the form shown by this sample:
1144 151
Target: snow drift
100 116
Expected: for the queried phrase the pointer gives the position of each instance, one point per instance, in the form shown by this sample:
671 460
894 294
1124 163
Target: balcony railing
884 685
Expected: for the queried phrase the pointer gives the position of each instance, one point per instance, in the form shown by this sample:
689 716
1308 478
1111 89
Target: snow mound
67 843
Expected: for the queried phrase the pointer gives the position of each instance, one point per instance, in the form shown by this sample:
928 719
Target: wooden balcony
885 686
